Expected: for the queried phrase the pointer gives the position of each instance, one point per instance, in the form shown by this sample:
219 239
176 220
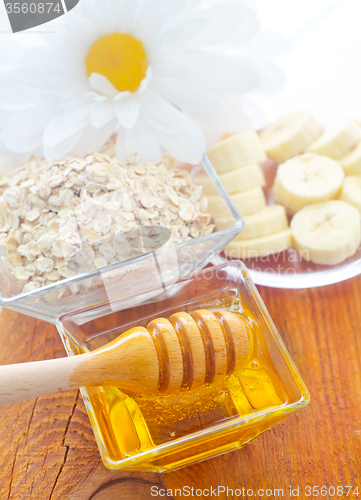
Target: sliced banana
351 163
290 135
270 220
237 151
243 179
246 203
237 181
307 179
351 191
223 222
327 233
217 207
260 247
226 135
208 186
339 137
250 201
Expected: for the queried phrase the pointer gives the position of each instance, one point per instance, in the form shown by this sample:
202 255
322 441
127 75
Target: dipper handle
181 353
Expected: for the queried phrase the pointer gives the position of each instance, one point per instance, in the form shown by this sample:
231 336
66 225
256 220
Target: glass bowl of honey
159 433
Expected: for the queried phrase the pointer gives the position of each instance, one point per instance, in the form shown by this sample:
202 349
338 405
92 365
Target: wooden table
47 449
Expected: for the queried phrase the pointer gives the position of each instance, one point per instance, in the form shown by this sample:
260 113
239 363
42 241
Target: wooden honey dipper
184 352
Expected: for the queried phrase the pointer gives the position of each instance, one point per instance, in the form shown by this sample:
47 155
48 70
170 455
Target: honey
161 433
134 423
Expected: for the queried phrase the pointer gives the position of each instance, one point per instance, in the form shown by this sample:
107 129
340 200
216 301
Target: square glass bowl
154 433
133 279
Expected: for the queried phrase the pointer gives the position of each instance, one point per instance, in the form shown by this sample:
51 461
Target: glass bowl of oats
82 231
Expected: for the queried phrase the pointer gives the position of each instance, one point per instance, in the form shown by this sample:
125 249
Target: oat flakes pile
49 211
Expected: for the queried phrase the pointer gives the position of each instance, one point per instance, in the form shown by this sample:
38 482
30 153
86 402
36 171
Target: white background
323 69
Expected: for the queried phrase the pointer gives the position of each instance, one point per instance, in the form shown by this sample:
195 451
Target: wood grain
47 450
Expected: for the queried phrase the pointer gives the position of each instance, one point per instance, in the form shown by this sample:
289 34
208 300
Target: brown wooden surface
47 450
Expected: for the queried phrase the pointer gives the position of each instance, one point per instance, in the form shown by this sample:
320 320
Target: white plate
286 269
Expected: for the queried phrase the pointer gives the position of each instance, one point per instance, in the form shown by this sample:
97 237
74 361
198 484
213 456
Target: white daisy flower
149 70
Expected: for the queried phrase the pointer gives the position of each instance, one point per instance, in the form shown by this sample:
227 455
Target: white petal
219 74
118 15
93 139
249 3
169 68
24 145
128 12
185 97
14 94
188 145
102 85
248 27
56 132
146 81
101 113
183 36
75 116
63 148
267 44
128 112
181 137
107 16
209 27
122 96
178 10
23 130
150 22
141 140
173 8
158 112
8 159
165 42
227 116
225 20
97 18
257 115
272 77
120 150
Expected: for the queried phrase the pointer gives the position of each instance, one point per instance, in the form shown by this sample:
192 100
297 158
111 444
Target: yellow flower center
121 58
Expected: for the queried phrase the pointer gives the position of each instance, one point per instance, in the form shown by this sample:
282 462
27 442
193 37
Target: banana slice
260 247
237 151
270 220
290 135
226 135
223 222
217 207
208 186
327 233
243 179
339 137
307 179
246 203
351 191
237 181
351 163
250 201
